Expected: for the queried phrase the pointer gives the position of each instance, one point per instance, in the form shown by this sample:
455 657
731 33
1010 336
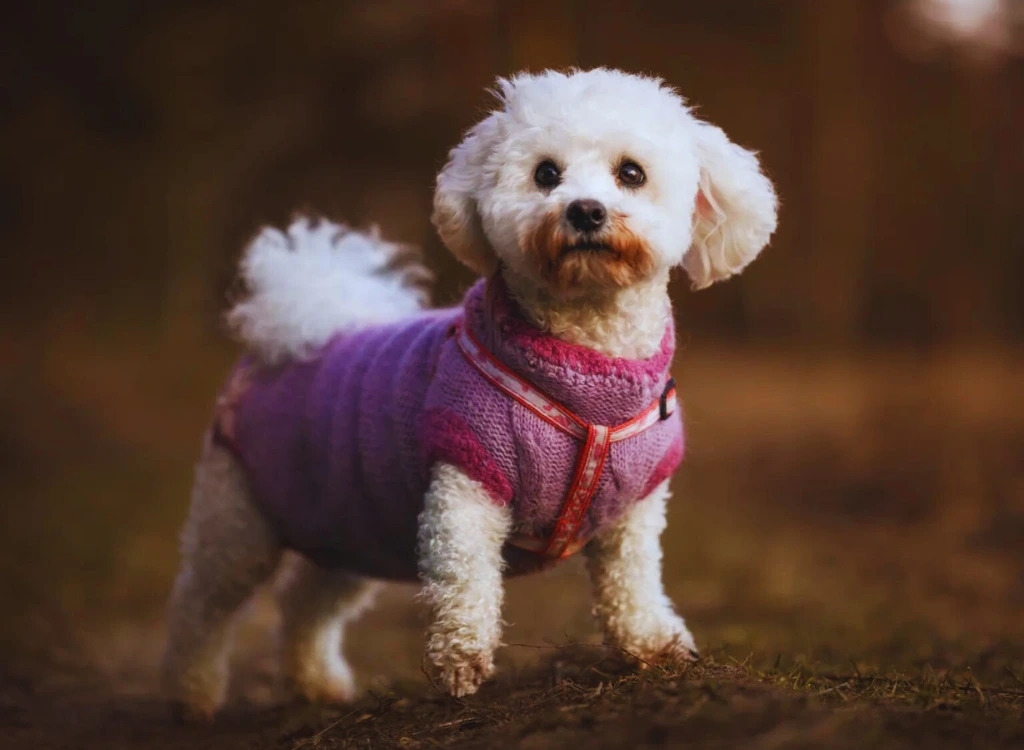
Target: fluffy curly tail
319 279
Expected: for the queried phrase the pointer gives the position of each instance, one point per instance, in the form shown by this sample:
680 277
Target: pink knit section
447 437
666 466
519 333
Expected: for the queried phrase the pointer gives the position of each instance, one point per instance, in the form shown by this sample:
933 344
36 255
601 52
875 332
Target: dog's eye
547 174
631 175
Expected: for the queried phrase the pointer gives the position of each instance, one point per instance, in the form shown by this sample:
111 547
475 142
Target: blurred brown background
857 389
144 142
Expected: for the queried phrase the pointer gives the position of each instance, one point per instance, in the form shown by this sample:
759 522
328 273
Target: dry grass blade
316 737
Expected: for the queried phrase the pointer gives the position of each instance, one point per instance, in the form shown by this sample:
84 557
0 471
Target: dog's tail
319 279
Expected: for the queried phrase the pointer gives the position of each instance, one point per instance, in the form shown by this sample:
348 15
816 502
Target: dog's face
598 180
583 183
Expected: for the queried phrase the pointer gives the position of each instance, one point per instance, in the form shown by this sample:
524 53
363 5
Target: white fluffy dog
575 198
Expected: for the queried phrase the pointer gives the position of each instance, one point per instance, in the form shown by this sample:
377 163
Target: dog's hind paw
679 650
328 684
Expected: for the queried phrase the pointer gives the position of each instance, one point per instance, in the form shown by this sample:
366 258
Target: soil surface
846 541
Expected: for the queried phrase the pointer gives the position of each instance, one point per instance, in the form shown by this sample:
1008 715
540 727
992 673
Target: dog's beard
568 261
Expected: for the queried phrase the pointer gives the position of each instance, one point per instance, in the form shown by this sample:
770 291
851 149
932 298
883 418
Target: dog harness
596 440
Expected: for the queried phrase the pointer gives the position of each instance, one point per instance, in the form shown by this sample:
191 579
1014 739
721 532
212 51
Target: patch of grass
592 695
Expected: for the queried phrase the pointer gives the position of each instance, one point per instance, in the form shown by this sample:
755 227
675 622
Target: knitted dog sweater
337 449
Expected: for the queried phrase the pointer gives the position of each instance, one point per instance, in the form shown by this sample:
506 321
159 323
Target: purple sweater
338 449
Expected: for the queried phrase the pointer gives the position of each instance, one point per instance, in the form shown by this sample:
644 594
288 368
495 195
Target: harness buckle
663 403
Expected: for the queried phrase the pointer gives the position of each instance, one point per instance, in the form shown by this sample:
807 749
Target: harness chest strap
596 441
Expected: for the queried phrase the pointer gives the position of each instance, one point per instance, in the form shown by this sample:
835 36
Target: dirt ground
846 542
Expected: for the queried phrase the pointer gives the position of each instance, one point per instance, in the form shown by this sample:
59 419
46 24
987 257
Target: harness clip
663 403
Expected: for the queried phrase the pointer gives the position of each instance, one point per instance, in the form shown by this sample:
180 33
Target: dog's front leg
461 534
629 600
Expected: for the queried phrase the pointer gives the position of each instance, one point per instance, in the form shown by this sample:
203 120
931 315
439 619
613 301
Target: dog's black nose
586 215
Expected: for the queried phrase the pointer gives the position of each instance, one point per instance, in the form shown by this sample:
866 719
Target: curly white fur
628 323
317 279
461 534
629 600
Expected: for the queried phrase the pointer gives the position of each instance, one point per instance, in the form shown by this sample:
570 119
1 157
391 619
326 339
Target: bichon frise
382 441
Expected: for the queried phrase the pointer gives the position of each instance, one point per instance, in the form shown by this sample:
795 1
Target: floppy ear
735 211
455 215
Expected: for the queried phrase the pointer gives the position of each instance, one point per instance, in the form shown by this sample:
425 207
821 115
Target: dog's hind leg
316 605
228 549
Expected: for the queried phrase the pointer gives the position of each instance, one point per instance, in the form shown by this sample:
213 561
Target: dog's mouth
586 245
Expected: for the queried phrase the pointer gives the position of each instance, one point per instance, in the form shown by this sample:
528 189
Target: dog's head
590 181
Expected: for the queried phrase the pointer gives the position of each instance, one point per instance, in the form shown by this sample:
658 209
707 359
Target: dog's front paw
679 650
667 642
459 671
